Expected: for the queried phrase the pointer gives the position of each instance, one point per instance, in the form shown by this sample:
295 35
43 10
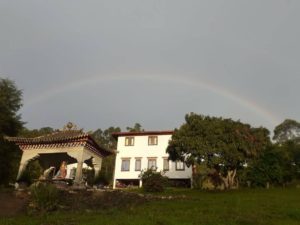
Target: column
22 168
97 162
26 157
78 177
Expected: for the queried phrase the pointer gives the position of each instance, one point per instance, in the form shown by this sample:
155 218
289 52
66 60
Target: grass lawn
258 206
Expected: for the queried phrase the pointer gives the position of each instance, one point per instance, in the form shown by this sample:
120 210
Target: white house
137 151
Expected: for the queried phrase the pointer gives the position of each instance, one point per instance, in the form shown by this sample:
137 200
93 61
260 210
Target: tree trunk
232 174
229 180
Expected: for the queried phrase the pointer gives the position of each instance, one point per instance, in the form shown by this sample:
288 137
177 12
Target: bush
102 179
44 196
32 172
153 181
88 176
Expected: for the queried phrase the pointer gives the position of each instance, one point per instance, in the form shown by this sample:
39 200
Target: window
179 165
166 164
125 165
152 164
129 141
152 140
138 164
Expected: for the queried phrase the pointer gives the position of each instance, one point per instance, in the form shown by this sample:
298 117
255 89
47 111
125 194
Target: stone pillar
78 177
27 156
140 183
114 183
97 162
22 168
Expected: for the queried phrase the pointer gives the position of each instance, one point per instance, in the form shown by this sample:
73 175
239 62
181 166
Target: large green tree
10 125
221 144
287 130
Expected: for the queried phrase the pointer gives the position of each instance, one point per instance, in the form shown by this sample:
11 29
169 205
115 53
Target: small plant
153 181
44 196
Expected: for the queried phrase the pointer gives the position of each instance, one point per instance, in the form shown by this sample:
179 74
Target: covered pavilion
69 145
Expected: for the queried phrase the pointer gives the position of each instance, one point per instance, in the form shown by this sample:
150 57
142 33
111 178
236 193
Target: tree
136 128
274 166
105 139
221 144
291 153
25 132
287 130
10 125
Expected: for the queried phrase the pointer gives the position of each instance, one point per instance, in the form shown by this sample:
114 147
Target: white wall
144 151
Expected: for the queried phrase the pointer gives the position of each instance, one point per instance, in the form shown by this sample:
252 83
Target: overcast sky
113 63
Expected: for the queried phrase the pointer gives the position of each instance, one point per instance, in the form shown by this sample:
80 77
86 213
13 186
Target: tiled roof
65 138
58 136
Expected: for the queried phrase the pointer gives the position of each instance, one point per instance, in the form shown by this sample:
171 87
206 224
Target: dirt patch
13 203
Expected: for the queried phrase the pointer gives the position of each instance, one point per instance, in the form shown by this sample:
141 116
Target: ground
180 206
12 204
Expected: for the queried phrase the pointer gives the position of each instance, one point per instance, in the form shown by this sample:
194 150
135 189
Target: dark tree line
10 125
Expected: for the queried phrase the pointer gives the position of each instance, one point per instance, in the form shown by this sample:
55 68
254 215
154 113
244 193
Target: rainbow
212 87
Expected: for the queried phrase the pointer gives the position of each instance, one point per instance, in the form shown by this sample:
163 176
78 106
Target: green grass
258 206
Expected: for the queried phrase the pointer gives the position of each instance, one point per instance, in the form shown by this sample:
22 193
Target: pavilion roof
63 138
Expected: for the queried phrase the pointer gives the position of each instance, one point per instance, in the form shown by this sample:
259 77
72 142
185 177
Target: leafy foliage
136 128
287 130
32 172
153 181
25 132
103 178
105 139
267 169
10 125
222 144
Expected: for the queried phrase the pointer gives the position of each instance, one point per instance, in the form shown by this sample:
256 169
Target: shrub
102 179
44 196
88 176
32 172
153 181
198 180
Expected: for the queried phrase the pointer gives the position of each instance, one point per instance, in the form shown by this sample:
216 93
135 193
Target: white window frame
153 167
129 141
123 165
180 166
152 140
140 168
166 163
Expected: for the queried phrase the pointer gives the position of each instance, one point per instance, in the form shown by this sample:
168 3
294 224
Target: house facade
138 151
